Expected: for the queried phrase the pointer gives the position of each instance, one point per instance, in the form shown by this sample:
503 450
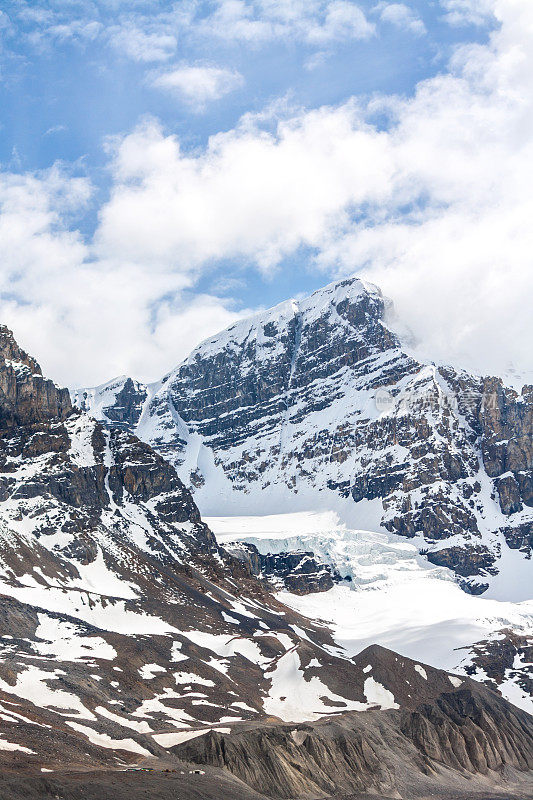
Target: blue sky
67 82
135 135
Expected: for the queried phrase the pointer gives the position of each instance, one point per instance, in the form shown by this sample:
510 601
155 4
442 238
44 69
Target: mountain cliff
320 396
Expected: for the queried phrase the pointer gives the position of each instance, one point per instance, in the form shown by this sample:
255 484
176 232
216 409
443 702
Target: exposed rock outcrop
506 656
25 396
298 572
121 402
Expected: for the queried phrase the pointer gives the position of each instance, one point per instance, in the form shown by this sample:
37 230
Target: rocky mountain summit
321 396
127 632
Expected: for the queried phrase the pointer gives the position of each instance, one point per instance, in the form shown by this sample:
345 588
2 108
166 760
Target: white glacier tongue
394 598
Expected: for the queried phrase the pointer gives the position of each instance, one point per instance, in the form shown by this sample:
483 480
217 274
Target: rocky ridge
413 753
298 571
507 657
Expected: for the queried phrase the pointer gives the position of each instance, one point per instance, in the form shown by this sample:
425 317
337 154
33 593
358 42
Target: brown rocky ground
171 779
462 741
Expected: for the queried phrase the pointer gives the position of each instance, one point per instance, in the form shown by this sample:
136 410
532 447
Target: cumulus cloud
436 207
313 21
469 12
249 193
458 264
150 34
87 319
198 85
142 45
401 16
79 30
342 20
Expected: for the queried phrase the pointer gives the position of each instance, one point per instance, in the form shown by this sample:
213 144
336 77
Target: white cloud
471 12
249 194
142 45
55 129
5 22
459 265
87 319
74 30
198 85
313 21
401 16
316 60
149 34
342 20
437 208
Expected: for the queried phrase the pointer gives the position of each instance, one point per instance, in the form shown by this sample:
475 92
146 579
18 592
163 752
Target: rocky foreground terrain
130 637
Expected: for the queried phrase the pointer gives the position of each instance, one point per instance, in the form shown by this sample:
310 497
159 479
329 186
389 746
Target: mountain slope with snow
128 634
122 618
391 596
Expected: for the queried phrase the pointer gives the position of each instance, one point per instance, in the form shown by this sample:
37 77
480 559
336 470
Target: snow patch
292 698
376 694
172 739
12 746
103 740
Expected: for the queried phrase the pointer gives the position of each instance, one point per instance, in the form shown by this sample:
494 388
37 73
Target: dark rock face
25 396
243 385
121 402
506 656
507 442
477 560
520 537
298 572
509 494
127 409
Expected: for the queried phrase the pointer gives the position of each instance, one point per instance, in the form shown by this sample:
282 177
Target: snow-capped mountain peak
318 395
